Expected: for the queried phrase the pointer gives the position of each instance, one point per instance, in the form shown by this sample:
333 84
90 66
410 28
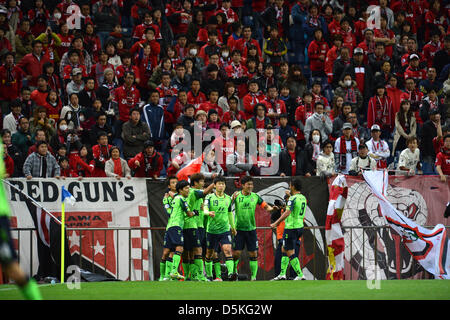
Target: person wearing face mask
320 121
312 152
225 58
348 89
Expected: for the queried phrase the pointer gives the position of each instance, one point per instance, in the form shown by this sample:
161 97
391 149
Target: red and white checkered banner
100 203
333 230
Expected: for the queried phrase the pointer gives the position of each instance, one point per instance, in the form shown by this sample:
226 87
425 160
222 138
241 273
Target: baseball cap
76 71
347 125
375 127
235 124
358 51
413 56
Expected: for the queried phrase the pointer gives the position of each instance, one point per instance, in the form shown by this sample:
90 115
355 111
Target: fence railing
25 235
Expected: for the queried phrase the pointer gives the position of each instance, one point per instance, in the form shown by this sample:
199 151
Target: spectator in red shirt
332 55
148 163
138 34
195 96
430 49
74 62
39 95
139 9
252 98
32 64
10 81
180 19
317 51
385 35
348 35
66 40
101 153
237 73
126 98
443 160
381 112
275 106
334 27
213 97
233 114
243 43
127 66
414 70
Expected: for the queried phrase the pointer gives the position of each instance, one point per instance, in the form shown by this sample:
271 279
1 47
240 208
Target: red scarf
343 151
118 167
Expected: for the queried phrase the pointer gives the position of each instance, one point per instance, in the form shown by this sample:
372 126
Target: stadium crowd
112 88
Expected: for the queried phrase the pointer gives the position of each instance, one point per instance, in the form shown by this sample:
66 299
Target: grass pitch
244 290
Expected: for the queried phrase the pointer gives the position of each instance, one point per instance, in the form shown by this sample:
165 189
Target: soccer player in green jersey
173 238
220 222
293 229
165 266
193 227
245 203
8 257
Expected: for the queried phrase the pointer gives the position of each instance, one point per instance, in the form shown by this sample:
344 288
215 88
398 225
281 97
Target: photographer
102 153
148 163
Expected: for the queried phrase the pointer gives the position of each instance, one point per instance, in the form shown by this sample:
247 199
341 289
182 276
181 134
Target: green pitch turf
244 290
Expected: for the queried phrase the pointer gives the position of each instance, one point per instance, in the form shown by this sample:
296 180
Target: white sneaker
279 277
300 278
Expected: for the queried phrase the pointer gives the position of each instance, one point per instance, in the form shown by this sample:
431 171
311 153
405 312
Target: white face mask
82 118
316 138
225 54
63 127
348 83
57 15
193 52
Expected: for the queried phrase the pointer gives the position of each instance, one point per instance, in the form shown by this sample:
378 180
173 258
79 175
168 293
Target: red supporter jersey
206 106
126 98
196 100
68 71
443 160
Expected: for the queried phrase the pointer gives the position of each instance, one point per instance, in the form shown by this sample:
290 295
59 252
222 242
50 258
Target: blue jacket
297 29
154 117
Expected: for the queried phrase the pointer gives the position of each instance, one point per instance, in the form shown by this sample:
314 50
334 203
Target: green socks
230 265
162 269
185 265
176 262
295 263
209 268
254 267
284 265
217 269
168 267
31 291
236 262
198 262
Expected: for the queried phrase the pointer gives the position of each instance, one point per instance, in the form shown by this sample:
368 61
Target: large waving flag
333 230
428 247
190 168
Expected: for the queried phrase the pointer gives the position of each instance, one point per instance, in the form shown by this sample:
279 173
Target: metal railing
316 269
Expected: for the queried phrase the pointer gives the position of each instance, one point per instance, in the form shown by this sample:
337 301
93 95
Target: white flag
428 247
